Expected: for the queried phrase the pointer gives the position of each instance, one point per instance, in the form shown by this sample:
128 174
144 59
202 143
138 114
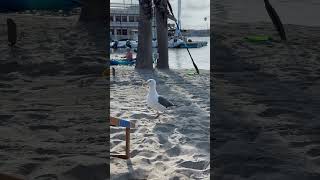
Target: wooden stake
127 124
128 143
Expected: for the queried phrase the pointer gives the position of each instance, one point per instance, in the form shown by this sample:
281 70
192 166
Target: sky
193 12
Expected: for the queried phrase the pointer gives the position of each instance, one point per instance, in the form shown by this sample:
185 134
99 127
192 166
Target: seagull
154 101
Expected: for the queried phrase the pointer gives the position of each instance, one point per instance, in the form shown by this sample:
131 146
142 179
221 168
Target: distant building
124 21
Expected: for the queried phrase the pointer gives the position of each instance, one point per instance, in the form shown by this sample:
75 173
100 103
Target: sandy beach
53 99
266 103
173 146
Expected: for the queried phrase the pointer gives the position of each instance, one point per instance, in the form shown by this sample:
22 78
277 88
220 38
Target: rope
194 64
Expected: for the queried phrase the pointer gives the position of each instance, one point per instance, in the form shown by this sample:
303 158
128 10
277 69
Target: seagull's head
151 83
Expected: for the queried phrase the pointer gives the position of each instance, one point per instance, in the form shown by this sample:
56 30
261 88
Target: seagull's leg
158 114
154 111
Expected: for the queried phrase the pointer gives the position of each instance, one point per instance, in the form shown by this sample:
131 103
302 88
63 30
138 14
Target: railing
118 8
124 24
123 5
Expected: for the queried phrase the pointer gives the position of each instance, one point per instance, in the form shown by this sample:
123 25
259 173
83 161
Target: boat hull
197 44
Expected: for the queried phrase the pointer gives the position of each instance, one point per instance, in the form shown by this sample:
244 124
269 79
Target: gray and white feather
154 100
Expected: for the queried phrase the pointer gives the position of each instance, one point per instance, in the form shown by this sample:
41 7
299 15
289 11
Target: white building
124 21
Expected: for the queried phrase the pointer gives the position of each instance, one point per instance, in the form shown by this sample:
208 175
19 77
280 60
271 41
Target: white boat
175 42
124 44
179 41
112 44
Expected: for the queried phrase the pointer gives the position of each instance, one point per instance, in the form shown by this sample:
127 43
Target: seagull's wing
164 102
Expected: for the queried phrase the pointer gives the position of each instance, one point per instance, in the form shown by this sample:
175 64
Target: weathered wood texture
144 55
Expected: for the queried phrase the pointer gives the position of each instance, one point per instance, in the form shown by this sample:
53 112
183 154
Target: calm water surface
180 59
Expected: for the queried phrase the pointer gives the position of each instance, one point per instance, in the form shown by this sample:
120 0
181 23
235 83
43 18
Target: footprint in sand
119 136
5 117
43 158
144 153
144 131
317 161
164 128
301 144
3 85
174 151
116 142
149 141
87 172
199 165
44 127
203 146
27 168
163 140
161 166
314 151
141 116
273 112
38 116
47 177
39 88
47 151
10 91
161 158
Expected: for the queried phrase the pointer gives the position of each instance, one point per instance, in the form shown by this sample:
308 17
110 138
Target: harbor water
179 57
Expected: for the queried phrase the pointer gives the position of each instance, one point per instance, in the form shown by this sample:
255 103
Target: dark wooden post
12 32
144 55
162 33
128 143
128 125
